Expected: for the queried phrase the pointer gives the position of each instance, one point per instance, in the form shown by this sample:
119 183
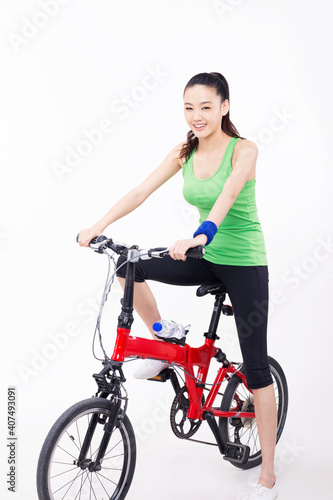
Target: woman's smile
200 126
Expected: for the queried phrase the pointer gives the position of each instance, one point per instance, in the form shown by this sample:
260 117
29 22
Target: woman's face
204 110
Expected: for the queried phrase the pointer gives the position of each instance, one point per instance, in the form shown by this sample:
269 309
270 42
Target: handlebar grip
196 252
97 239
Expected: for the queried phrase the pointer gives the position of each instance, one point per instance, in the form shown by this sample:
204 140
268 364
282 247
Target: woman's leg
145 304
266 418
248 291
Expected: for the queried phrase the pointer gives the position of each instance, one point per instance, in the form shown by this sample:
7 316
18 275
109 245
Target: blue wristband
208 228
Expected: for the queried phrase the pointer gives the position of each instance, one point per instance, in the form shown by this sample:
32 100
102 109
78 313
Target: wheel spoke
62 463
72 440
98 478
68 483
99 474
65 472
82 483
114 456
67 452
111 468
107 453
80 489
91 490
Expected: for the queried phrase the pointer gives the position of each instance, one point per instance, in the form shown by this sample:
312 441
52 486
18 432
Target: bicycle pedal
236 453
163 376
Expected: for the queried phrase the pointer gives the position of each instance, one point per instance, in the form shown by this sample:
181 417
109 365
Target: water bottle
170 331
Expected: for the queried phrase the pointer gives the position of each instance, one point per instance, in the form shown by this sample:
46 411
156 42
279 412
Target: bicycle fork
105 388
109 425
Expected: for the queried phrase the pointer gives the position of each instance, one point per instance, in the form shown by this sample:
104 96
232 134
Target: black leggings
247 287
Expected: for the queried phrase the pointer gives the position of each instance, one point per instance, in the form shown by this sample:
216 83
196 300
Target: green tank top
239 239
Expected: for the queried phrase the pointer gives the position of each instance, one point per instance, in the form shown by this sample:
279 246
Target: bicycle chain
198 441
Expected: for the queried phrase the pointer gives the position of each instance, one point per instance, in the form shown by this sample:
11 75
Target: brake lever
100 242
158 252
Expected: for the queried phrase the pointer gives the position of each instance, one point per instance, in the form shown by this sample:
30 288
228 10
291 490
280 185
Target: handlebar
101 243
195 252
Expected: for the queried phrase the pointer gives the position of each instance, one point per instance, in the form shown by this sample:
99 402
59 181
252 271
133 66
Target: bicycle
90 451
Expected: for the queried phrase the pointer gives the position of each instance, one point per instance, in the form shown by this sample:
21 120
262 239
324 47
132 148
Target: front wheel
244 430
60 474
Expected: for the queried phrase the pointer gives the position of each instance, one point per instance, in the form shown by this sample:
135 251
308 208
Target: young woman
218 167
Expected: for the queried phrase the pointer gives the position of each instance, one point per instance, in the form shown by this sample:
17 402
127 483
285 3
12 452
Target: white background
61 75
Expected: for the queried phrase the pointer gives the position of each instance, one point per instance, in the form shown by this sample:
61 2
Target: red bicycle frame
186 357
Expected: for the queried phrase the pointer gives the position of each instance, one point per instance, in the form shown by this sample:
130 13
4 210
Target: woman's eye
191 109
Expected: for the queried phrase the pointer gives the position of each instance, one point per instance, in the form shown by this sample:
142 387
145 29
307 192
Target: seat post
219 299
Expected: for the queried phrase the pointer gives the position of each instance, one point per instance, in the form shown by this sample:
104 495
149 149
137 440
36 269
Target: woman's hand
86 235
178 249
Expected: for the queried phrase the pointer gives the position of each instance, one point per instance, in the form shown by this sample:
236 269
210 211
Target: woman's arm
167 169
243 169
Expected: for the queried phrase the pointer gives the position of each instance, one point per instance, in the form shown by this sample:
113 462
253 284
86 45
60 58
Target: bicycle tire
244 401
62 446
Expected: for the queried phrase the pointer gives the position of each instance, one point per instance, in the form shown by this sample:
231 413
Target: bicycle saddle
212 288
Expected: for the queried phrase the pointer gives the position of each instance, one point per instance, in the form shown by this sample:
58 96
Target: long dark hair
220 84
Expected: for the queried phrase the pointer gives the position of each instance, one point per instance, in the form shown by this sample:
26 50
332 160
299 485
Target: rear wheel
244 430
59 473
